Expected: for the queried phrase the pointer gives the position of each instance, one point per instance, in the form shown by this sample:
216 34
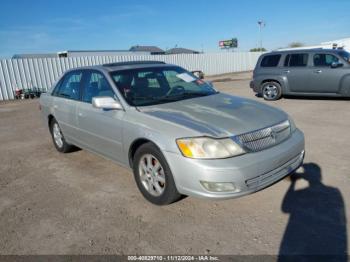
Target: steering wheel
176 90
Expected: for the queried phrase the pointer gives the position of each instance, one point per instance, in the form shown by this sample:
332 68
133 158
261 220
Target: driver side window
325 60
95 85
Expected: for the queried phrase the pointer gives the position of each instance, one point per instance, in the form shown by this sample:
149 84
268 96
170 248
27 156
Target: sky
29 26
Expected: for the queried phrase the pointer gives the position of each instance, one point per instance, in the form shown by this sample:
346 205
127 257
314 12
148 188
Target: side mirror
336 64
106 102
198 74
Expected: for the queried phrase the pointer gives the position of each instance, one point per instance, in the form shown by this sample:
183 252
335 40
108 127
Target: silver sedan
174 130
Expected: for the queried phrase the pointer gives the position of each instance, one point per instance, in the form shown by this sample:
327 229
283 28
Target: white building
340 43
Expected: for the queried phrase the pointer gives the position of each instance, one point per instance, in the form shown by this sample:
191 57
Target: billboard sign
232 43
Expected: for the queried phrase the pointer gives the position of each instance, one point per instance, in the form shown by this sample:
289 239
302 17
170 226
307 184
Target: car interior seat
104 88
140 86
74 87
90 92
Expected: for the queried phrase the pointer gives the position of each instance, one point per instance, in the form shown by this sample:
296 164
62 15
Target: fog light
218 186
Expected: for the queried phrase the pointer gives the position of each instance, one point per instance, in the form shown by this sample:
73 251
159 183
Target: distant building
340 43
20 56
77 53
180 50
135 50
153 50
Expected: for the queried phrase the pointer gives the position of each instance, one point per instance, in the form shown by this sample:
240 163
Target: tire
271 91
153 176
58 139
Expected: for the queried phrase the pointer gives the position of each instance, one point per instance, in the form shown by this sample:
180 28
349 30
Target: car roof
314 50
124 66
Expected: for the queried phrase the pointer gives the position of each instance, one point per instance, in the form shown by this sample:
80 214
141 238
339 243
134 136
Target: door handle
287 71
318 71
55 106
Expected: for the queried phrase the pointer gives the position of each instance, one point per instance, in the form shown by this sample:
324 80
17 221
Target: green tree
258 50
295 44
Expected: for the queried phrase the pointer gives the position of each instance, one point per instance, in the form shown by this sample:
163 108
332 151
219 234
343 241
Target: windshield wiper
172 98
153 98
189 95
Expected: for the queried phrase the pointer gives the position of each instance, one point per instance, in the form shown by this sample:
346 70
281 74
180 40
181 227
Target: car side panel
64 110
344 89
46 102
100 130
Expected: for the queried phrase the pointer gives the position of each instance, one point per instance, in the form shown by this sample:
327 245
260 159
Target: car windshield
156 85
345 55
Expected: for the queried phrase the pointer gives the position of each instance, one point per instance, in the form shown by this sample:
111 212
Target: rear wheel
153 176
271 91
58 138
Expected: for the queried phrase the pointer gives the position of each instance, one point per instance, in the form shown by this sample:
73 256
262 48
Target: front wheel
271 91
153 176
58 138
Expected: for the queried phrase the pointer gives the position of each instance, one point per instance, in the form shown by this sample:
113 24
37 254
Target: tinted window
70 87
96 84
324 59
296 60
57 87
270 61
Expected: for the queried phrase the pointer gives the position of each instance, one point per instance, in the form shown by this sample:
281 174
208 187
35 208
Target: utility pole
261 24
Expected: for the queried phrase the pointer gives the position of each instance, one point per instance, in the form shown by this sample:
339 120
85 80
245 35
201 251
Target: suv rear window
270 61
296 60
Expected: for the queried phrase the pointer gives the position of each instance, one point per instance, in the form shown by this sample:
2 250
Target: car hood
217 115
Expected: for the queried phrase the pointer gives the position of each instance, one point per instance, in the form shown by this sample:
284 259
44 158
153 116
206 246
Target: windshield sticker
200 82
186 77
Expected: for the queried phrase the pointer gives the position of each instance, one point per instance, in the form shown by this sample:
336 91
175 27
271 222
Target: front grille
264 138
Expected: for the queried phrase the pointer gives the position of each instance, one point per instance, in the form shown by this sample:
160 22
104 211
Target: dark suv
308 72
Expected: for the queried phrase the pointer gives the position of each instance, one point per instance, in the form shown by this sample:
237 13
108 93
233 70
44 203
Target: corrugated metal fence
43 72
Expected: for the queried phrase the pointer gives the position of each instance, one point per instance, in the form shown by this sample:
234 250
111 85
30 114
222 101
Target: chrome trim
265 138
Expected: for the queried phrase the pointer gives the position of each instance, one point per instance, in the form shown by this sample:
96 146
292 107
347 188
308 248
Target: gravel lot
79 203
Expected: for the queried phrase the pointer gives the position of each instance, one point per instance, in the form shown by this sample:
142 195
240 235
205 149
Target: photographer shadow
317 222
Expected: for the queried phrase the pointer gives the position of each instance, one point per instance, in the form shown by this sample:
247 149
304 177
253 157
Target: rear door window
324 60
70 87
296 60
270 61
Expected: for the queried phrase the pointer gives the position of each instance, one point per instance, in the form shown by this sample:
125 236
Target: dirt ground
79 203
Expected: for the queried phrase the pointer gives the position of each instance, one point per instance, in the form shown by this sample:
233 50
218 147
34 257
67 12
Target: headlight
209 148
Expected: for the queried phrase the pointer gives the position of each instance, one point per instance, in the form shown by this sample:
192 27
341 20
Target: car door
64 103
297 71
324 78
100 130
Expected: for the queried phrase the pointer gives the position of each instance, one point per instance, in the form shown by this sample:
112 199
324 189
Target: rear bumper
254 86
249 173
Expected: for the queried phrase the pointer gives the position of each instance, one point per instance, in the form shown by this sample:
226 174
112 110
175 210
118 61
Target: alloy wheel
270 91
57 135
152 175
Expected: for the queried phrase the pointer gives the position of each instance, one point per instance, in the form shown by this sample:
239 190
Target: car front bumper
249 173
